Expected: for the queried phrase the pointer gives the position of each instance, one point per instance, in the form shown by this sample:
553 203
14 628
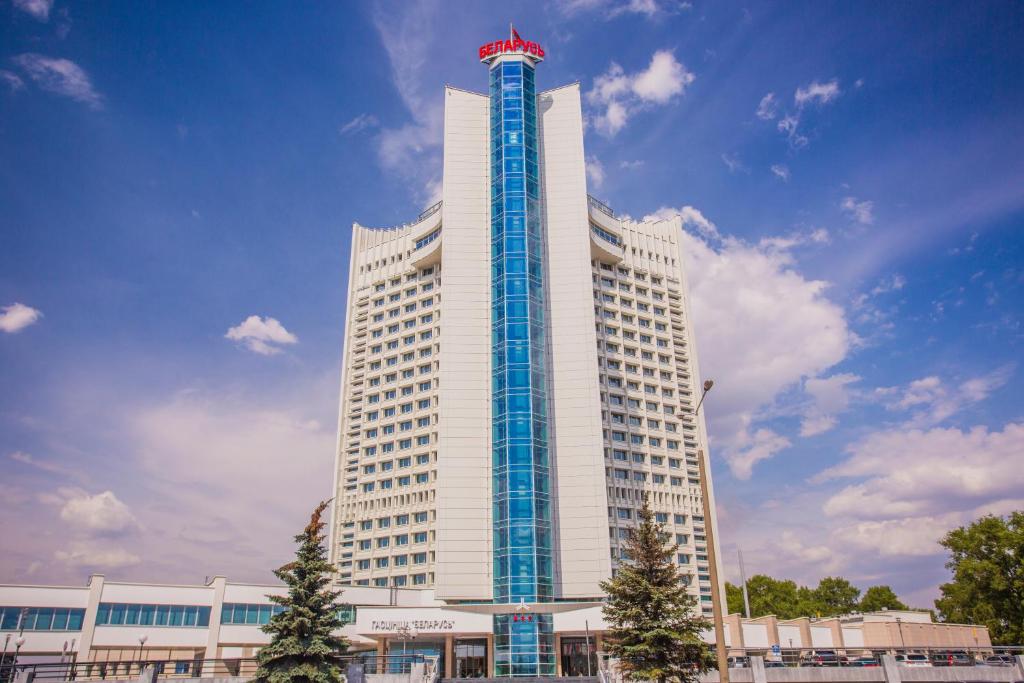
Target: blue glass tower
523 640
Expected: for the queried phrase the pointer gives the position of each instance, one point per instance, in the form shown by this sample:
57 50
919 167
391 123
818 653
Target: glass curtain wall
523 642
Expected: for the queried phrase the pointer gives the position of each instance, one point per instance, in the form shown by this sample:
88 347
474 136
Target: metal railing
244 667
429 211
997 655
600 206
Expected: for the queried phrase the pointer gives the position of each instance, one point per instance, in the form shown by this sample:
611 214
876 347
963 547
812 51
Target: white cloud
595 171
17 317
830 397
264 336
692 218
860 211
359 123
733 163
101 513
934 402
230 457
42 465
614 8
12 80
812 425
913 486
893 283
39 9
768 107
86 554
631 165
789 124
60 76
412 150
618 95
819 93
762 328
781 171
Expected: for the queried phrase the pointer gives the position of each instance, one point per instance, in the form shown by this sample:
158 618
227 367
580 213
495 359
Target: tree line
833 596
986 560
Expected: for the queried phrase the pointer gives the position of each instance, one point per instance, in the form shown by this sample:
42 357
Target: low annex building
116 623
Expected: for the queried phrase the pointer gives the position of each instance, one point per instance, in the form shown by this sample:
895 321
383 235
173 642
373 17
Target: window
245 613
419 537
41 618
419 517
121 614
419 558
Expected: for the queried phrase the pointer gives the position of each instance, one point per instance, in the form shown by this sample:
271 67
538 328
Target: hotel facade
519 373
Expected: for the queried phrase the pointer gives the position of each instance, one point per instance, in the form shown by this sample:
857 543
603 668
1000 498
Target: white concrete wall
156 636
755 635
580 504
821 637
790 634
157 594
463 569
853 637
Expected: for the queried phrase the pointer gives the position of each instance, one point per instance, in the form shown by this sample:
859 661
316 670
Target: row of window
411 291
387 484
626 287
391 411
640 458
399 520
131 614
388 465
626 475
403 444
396 581
392 561
399 540
655 280
41 618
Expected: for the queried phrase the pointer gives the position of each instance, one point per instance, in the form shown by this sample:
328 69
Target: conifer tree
654 625
303 647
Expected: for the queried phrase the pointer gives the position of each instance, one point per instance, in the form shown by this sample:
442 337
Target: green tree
880 597
772 596
654 627
834 596
734 598
303 647
987 561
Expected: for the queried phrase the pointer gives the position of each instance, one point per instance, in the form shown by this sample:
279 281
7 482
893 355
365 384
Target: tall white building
519 371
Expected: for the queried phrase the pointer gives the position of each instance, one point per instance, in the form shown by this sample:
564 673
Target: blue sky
177 183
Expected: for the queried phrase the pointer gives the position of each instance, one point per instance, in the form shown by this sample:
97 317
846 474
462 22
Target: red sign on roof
514 45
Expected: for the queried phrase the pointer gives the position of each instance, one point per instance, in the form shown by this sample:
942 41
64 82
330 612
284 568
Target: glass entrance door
575 656
471 658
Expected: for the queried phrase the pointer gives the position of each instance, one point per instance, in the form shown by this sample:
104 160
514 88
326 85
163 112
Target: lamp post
142 641
709 528
3 657
17 648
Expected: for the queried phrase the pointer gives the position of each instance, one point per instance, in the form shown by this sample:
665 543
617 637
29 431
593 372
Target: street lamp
17 648
142 641
709 529
7 640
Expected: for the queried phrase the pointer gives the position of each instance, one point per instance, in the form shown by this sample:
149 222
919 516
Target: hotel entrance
470 658
578 656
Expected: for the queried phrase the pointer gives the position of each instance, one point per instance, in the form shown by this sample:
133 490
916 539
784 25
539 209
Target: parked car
916 660
1000 660
739 662
820 658
866 660
952 658
774 664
